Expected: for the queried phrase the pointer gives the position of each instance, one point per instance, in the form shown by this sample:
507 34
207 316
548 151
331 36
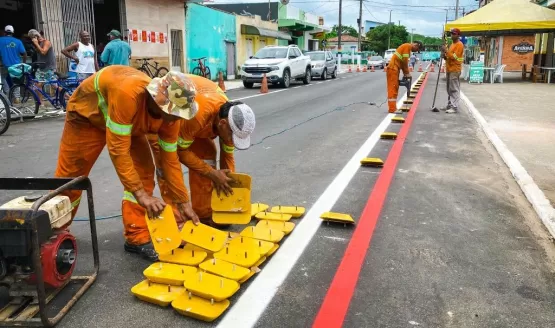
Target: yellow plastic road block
337 217
273 250
389 135
195 307
245 257
263 233
405 109
163 231
295 211
232 218
168 273
251 273
231 235
251 244
235 208
273 216
398 119
210 286
371 161
408 101
286 227
225 269
204 236
157 294
183 256
258 207
259 263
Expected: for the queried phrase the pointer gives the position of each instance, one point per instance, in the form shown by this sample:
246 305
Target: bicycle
152 70
5 111
201 69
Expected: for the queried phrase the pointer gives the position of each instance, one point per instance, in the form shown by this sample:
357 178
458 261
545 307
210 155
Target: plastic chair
498 73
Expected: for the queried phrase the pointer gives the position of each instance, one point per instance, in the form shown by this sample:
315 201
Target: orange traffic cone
350 71
364 68
358 69
221 83
372 69
432 69
442 69
420 67
264 87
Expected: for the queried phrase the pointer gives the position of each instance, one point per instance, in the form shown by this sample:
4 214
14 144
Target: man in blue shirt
116 52
11 51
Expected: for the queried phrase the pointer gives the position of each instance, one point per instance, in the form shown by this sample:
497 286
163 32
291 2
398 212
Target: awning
506 17
254 30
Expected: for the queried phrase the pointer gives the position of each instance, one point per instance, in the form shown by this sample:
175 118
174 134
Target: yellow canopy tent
506 17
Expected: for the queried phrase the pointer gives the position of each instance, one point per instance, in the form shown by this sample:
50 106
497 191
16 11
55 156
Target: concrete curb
533 193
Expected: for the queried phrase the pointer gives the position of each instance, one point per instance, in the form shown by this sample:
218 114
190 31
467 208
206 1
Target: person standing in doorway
83 56
453 64
11 51
116 52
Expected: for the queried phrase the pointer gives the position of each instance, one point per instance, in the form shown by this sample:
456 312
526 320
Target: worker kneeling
399 61
118 107
231 122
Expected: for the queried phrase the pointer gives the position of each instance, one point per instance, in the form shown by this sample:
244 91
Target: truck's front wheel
286 80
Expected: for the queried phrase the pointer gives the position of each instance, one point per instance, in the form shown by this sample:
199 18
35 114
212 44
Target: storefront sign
523 48
476 74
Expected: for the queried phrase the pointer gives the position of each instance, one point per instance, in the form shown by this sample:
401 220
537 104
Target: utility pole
360 26
339 28
411 34
389 32
457 10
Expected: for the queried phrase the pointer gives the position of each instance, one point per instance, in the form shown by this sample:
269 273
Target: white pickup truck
280 63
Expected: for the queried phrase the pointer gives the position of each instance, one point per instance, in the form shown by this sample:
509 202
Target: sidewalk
522 115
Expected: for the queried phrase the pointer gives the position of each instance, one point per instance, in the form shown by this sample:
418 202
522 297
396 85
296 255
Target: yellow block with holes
235 208
199 308
273 250
251 244
164 231
273 216
258 207
286 227
408 101
183 256
232 218
155 293
398 119
263 233
245 257
405 109
252 273
337 217
210 286
389 135
203 236
169 273
294 211
259 263
371 161
225 269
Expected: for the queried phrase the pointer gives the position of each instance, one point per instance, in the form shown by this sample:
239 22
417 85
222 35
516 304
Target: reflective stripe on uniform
406 55
182 143
228 149
169 147
120 129
76 202
392 99
129 197
398 55
101 101
457 58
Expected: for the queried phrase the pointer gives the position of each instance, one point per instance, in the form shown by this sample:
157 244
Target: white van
388 54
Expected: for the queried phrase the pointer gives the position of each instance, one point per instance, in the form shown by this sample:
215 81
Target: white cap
8 28
242 122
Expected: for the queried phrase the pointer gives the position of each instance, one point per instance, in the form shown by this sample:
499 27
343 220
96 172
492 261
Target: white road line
254 300
319 82
260 94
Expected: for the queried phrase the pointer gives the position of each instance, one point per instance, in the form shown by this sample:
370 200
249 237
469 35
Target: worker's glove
220 181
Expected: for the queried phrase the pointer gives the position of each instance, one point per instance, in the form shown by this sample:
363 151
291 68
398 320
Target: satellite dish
284 2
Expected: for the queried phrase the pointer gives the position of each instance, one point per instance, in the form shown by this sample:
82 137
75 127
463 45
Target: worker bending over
399 61
118 107
232 123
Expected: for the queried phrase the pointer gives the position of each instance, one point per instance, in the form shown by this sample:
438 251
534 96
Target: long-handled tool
434 108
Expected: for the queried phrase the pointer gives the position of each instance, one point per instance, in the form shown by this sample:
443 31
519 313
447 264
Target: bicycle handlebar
198 59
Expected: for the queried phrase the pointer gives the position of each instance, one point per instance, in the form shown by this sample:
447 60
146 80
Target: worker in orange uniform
453 64
399 61
232 123
117 107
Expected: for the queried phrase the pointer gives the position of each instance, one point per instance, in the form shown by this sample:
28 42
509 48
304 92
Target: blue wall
206 31
368 25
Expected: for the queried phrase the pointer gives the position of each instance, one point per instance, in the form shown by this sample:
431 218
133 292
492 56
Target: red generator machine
38 255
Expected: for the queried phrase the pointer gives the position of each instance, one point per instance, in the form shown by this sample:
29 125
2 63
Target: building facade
370 25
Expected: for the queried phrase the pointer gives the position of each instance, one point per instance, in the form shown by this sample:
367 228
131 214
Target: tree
345 30
378 37
427 40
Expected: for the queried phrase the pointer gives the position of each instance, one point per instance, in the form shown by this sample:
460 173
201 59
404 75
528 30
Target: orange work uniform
454 57
197 149
399 61
110 108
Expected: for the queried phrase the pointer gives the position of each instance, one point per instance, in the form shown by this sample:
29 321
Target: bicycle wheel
24 100
207 73
145 70
5 114
161 71
63 98
197 71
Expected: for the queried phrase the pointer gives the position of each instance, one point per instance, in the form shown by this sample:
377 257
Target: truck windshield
271 53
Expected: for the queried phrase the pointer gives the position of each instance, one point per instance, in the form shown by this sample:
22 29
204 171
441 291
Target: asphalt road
456 244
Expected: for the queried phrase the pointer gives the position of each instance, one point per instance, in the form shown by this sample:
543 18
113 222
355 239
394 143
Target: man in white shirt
83 57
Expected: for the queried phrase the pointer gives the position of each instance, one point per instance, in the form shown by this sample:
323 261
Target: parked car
388 54
376 61
323 64
280 63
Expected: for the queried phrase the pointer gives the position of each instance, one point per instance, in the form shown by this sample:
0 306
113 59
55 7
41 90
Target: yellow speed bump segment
258 207
251 244
398 119
337 217
273 216
168 273
164 231
408 101
273 250
245 257
389 135
371 161
210 286
252 273
225 269
204 236
294 211
263 233
405 109
193 306
183 256
235 208
286 227
155 293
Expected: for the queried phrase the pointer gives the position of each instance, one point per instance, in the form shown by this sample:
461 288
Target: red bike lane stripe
336 302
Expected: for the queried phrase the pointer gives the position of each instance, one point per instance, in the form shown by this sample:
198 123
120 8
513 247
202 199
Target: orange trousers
199 186
80 147
392 87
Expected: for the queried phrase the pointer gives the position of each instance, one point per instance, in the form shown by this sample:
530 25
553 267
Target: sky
425 19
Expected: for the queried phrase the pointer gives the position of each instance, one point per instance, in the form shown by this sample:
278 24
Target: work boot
145 250
446 108
451 111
